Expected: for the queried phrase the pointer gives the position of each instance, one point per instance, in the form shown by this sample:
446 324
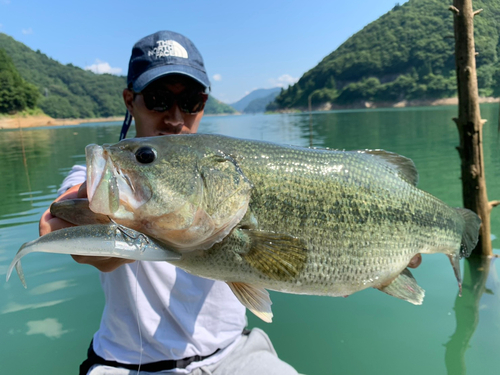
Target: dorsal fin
404 166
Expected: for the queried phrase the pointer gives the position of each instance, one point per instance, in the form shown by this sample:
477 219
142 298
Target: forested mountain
406 54
67 91
216 107
15 93
258 95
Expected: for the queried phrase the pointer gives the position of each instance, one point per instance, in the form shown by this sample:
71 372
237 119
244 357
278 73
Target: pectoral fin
278 256
405 287
254 299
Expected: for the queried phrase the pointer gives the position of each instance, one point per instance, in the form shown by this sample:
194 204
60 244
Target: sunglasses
191 102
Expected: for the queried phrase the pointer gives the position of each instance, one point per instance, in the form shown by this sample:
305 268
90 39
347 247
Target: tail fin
470 233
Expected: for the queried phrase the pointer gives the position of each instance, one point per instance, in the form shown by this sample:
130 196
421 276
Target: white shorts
254 354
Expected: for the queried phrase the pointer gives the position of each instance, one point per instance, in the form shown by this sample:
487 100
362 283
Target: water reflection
15 307
467 312
49 327
52 287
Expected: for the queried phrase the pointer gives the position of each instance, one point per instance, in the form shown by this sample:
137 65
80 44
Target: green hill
406 54
67 91
15 93
216 107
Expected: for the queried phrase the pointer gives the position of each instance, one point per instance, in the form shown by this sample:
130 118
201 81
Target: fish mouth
109 188
102 186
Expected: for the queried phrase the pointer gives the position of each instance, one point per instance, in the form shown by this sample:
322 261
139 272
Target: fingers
415 261
103 264
49 223
82 191
71 193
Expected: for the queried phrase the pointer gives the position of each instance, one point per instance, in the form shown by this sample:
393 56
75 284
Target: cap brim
153 74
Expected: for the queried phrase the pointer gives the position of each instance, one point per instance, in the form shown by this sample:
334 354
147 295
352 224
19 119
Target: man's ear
128 98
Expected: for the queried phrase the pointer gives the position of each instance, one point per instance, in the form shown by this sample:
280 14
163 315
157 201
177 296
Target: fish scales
258 215
358 228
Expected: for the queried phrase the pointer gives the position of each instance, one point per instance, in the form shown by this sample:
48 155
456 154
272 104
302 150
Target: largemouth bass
259 215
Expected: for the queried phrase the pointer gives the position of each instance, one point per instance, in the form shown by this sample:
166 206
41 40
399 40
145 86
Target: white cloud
217 77
49 327
27 31
283 81
101 67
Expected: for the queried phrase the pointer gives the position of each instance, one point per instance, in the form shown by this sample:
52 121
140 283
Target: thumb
82 191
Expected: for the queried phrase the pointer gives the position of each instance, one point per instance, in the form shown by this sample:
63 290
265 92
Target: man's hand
49 223
415 261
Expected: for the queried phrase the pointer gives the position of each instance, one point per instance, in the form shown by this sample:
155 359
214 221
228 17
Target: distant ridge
216 107
267 94
405 55
68 91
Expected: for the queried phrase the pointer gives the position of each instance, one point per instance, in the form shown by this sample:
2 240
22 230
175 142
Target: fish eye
145 155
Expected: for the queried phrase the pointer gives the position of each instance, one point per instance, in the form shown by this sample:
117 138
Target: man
158 318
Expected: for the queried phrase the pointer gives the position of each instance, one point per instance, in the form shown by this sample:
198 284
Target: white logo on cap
168 48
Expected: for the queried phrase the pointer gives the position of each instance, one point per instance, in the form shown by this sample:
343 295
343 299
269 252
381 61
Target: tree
15 93
470 124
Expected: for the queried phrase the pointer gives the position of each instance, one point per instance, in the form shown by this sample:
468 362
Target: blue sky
245 44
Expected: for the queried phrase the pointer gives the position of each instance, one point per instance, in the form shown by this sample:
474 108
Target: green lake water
46 328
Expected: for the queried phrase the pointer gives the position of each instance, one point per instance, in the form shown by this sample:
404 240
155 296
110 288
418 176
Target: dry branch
469 122
494 204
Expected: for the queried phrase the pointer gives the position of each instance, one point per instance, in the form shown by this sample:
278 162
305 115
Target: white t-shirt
166 311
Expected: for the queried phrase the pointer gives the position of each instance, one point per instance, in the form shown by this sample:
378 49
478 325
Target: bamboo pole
470 124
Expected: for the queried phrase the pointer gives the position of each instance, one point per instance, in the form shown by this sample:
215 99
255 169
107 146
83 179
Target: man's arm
50 223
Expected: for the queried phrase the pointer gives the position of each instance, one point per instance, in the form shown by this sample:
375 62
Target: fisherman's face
150 123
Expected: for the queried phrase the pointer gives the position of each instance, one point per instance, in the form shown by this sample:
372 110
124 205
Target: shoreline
16 122
400 104
424 103
44 120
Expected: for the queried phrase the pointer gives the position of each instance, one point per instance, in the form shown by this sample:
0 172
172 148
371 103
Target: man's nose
174 116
